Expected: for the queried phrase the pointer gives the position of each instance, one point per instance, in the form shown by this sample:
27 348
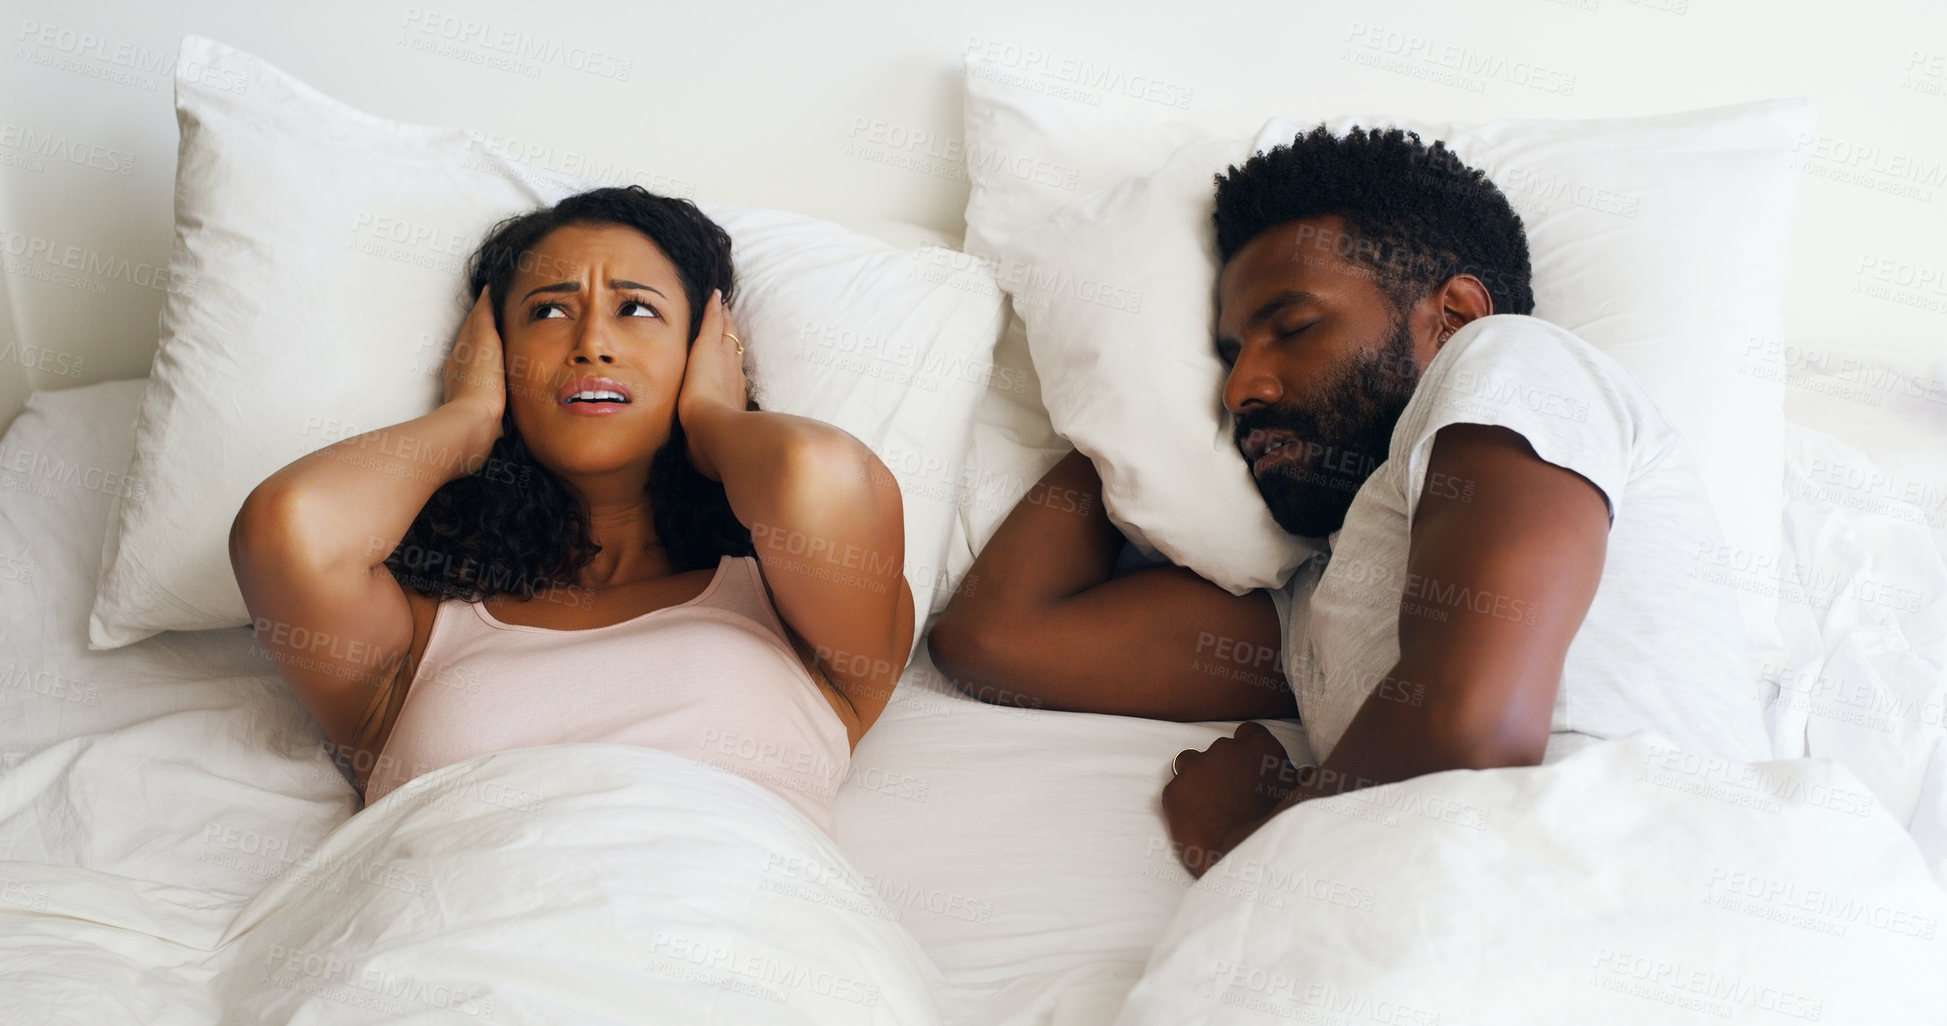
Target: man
1505 512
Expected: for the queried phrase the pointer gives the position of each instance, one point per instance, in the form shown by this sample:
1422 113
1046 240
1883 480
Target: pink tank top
714 679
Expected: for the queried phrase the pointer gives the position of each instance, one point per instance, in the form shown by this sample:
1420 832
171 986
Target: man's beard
1342 430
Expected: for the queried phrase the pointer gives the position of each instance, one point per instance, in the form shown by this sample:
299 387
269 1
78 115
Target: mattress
148 793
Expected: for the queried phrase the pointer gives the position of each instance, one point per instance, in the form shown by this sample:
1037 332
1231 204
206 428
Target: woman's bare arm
825 517
309 546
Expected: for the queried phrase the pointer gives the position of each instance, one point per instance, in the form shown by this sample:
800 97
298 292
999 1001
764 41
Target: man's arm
1497 586
1039 620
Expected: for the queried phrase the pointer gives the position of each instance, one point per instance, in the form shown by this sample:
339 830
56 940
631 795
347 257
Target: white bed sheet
147 793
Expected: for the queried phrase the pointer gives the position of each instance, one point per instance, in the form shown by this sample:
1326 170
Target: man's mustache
1291 420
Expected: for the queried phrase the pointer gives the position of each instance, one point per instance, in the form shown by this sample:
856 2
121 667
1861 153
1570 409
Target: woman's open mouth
590 397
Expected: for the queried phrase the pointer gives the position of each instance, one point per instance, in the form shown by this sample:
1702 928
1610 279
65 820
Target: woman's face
595 311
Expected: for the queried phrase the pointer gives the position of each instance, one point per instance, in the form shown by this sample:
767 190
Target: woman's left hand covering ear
712 377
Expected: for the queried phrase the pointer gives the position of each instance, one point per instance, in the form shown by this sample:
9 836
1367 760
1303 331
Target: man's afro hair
1417 215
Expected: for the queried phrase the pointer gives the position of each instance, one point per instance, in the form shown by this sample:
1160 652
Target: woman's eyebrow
623 283
575 286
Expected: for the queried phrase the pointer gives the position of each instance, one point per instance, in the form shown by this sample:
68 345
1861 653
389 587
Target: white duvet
583 884
149 794
1629 883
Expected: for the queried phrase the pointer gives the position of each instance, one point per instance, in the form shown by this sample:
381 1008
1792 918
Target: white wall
16 380
757 101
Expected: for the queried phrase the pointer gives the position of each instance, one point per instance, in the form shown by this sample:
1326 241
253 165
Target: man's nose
1252 382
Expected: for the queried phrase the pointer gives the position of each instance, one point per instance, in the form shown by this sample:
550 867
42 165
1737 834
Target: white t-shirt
1662 648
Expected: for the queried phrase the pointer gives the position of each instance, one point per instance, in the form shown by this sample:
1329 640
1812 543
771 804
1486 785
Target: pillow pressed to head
1115 290
1009 128
320 249
1660 240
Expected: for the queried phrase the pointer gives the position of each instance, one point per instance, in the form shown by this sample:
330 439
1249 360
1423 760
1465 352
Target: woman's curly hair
513 526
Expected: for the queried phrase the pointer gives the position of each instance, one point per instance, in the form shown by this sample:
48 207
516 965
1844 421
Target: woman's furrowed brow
575 286
621 283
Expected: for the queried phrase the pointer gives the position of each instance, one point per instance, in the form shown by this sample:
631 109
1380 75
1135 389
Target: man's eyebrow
1288 297
575 286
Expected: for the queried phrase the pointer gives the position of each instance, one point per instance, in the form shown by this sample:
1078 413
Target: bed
150 792
994 864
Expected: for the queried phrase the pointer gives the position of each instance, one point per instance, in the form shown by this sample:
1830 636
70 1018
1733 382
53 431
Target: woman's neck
622 521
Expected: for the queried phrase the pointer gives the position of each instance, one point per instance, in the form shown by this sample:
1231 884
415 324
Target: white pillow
1660 240
1013 128
1009 129
318 264
1116 294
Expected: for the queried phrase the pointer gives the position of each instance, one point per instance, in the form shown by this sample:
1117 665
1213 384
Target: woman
596 537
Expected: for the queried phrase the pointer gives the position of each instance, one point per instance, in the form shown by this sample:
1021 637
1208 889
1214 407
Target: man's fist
1219 796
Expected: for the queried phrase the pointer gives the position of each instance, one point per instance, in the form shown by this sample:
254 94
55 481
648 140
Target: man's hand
1223 794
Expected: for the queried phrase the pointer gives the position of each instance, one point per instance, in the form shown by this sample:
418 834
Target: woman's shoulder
744 575
425 612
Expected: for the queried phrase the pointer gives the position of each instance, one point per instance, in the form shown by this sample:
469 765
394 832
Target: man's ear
1463 299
